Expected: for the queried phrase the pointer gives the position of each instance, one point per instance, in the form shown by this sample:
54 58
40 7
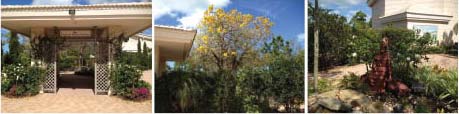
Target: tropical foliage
184 90
344 42
235 66
438 82
18 77
125 81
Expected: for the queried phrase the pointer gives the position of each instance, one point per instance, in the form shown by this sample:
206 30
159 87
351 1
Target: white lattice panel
49 84
102 69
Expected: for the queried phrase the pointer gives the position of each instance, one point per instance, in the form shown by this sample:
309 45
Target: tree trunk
316 45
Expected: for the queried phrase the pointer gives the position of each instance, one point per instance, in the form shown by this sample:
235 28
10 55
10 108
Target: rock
334 104
398 108
408 109
376 107
330 100
281 108
357 110
312 108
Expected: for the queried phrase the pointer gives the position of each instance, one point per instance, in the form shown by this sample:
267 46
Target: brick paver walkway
75 96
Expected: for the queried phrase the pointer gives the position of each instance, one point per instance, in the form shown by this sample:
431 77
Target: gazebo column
162 65
50 62
114 42
157 64
35 34
102 67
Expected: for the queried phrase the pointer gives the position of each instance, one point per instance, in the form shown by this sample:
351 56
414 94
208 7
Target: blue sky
346 8
62 2
287 15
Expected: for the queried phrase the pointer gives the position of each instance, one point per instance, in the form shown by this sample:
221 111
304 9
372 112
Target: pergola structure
104 25
171 44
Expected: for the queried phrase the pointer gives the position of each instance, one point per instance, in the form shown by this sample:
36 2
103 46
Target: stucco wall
131 44
447 31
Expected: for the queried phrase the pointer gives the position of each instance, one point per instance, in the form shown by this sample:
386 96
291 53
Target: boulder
377 107
334 104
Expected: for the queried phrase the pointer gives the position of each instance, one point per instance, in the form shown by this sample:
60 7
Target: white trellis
106 23
102 70
102 62
50 83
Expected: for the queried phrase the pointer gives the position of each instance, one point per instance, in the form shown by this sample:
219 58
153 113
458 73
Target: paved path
337 73
147 76
75 95
442 60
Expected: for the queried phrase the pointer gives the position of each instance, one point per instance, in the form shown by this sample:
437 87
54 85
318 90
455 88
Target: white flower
354 54
408 59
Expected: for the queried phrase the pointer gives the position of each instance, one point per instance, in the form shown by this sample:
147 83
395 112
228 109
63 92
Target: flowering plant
19 80
125 81
139 94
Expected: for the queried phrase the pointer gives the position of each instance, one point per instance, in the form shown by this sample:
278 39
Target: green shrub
124 79
422 108
352 81
85 71
6 84
436 49
33 80
184 90
141 60
443 49
253 89
19 80
143 84
323 85
406 48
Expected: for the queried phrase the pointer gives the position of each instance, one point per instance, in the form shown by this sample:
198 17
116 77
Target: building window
431 29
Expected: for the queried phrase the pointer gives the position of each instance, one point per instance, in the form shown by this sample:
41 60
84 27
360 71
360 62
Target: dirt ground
336 74
442 60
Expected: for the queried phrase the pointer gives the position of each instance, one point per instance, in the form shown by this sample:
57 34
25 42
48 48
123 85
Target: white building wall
445 31
131 44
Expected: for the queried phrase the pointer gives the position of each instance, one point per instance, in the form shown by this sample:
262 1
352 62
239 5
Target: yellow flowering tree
229 38
227 41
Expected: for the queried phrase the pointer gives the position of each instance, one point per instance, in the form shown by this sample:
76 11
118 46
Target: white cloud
300 37
74 2
52 2
114 1
192 11
336 11
191 20
342 4
350 13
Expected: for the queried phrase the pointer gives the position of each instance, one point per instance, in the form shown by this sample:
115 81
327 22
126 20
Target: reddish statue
380 76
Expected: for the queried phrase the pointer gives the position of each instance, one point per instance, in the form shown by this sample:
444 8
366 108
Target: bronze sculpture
380 76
